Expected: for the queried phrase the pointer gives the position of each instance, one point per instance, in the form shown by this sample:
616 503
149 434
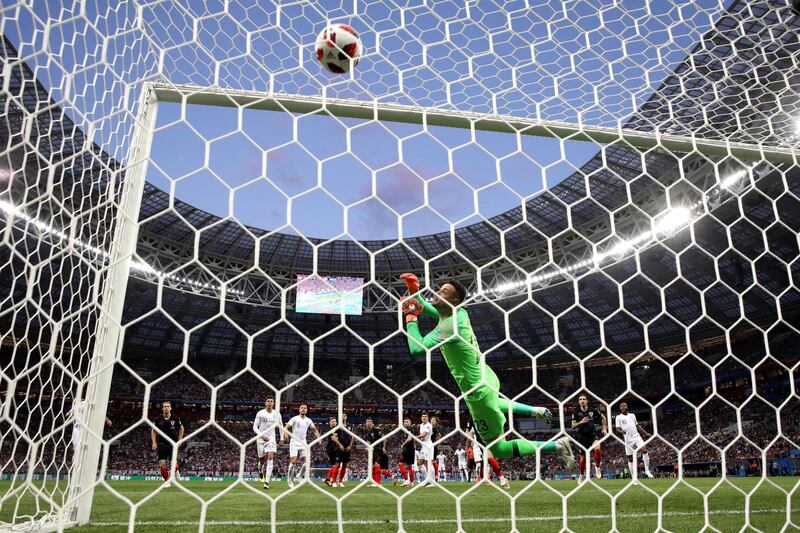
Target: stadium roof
733 85
744 60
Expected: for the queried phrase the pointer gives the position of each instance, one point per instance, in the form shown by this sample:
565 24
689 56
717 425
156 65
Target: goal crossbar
389 112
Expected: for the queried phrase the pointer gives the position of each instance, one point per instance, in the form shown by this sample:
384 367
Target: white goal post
108 346
389 112
108 343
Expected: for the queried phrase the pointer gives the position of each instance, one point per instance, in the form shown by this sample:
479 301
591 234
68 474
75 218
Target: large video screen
329 295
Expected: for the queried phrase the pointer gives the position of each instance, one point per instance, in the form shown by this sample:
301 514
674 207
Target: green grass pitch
236 507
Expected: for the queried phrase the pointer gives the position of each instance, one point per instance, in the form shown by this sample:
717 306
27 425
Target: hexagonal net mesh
199 214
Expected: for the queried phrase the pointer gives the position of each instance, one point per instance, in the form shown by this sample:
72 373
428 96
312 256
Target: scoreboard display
331 295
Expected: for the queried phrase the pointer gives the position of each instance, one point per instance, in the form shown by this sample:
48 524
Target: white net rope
615 186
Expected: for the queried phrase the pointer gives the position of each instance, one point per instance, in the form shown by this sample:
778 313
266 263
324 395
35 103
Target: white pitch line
430 520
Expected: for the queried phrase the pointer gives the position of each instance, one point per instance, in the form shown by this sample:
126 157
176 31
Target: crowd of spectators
216 449
320 284
700 420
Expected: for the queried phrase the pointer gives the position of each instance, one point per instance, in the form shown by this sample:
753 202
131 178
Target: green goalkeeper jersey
460 348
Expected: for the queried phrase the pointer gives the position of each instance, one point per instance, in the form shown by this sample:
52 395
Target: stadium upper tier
733 86
736 84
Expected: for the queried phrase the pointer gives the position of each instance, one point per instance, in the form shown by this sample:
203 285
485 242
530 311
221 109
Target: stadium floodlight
665 225
734 178
673 219
100 256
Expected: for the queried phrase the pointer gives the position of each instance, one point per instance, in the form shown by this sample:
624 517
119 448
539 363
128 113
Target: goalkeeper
477 382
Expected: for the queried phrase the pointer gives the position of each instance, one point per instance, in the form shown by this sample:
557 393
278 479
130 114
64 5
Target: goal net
198 215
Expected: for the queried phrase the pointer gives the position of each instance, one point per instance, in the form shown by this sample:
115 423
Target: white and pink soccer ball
338 48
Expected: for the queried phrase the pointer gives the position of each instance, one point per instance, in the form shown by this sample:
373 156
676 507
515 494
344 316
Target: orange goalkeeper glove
411 309
412 282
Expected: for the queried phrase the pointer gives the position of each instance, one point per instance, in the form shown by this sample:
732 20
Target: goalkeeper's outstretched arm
417 344
427 308
447 298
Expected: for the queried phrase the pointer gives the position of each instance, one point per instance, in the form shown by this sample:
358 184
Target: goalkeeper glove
411 309
412 282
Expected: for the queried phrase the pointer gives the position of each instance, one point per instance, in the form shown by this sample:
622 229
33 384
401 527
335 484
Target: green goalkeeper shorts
487 418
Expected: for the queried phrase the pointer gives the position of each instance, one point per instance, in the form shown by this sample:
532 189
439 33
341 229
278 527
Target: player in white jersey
477 454
78 413
441 473
461 460
629 429
297 428
78 408
415 467
425 461
267 421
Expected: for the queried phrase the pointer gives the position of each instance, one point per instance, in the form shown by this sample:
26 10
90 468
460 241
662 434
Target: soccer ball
338 47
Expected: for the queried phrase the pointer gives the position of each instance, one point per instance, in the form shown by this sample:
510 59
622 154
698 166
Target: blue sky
568 61
253 172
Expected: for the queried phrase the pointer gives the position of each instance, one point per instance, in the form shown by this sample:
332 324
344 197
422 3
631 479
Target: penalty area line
431 520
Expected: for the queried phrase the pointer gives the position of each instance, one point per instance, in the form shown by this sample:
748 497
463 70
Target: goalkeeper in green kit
477 382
